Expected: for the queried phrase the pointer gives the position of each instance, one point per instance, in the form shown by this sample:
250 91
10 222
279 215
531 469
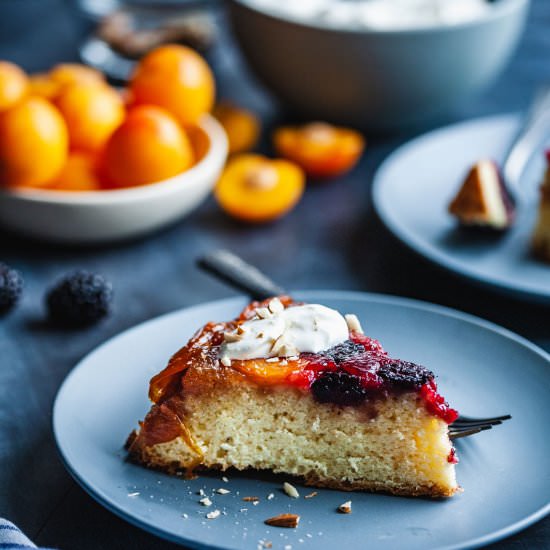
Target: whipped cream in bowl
377 14
277 331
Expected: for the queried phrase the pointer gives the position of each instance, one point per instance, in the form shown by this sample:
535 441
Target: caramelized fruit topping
350 373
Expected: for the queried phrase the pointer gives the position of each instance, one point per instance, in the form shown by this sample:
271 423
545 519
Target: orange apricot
256 189
321 149
75 73
33 143
92 113
13 84
267 374
241 126
41 85
147 147
78 174
176 78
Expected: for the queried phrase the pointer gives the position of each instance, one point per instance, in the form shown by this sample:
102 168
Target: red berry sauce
360 369
452 458
436 404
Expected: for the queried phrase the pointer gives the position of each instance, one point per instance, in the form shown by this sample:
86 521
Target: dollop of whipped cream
280 332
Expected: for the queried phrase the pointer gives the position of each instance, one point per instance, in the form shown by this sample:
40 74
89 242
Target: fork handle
232 269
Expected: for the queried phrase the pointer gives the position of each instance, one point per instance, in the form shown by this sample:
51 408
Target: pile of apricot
67 129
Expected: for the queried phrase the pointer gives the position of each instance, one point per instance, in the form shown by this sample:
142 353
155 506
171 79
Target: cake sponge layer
392 444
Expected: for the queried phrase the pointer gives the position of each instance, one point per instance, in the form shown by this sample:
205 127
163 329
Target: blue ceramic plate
416 183
483 369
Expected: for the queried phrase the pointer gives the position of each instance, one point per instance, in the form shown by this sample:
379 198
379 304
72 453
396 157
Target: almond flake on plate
213 514
290 490
284 520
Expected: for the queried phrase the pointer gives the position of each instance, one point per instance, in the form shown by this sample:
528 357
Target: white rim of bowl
217 152
499 9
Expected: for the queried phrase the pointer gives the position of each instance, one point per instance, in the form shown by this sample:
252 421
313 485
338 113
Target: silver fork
233 270
464 426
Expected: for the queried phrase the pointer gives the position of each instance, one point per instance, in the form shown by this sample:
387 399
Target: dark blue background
331 240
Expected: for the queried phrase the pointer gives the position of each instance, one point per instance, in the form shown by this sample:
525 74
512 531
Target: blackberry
343 352
340 388
11 287
404 374
79 299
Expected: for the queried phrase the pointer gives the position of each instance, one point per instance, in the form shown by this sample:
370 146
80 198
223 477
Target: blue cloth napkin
11 537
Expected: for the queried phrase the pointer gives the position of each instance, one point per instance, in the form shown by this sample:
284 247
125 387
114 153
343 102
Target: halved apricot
254 188
267 373
321 149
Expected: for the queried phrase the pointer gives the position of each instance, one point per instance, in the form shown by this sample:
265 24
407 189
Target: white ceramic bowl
375 78
104 216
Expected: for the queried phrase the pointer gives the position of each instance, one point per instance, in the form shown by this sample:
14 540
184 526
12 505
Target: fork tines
465 426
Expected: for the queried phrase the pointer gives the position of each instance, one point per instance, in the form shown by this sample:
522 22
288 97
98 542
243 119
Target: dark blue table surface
332 240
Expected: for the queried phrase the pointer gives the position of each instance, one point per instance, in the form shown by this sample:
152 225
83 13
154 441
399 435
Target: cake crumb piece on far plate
225 480
213 514
345 508
270 496
205 501
222 491
251 499
311 495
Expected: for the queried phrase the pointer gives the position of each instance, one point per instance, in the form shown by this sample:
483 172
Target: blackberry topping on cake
404 374
343 352
483 200
298 389
340 388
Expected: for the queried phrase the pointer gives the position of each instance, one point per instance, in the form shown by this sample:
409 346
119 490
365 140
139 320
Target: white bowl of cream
376 64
